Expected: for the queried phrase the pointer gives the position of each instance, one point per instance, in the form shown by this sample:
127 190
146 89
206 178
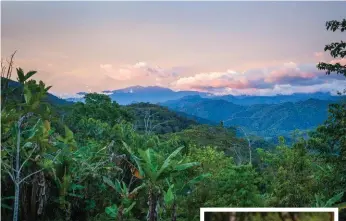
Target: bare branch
31 174
5 149
26 160
240 159
10 66
12 178
249 144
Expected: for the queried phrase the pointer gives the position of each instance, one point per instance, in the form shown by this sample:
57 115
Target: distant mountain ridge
267 120
138 94
156 94
277 99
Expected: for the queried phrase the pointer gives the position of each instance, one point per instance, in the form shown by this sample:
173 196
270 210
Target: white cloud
106 67
136 72
140 65
290 65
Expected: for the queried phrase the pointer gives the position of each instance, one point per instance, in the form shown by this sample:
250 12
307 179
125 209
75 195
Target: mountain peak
142 89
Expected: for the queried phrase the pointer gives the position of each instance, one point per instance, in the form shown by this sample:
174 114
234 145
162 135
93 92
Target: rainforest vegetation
98 160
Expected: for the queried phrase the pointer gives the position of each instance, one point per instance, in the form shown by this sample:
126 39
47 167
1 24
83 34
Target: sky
260 48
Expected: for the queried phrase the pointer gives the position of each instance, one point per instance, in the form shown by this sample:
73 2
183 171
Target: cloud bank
285 79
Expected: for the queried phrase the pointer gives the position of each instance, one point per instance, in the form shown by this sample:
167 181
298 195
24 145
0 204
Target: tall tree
333 131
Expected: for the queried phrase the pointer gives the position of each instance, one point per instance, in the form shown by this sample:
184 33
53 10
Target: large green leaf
124 188
3 205
186 166
167 163
128 209
112 211
334 199
149 159
148 164
20 74
27 94
134 158
138 188
169 195
47 88
29 75
199 178
75 186
110 183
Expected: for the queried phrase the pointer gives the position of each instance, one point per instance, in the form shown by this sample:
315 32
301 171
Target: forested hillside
99 160
277 99
152 118
267 120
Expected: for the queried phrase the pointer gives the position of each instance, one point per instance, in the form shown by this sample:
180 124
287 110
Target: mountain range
138 94
267 120
155 94
266 116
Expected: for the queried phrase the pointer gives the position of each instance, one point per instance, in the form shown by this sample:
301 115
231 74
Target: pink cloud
124 72
141 72
341 61
202 81
287 77
277 75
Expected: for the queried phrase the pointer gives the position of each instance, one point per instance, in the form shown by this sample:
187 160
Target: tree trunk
16 201
33 199
331 216
152 205
232 216
294 216
17 177
174 212
120 213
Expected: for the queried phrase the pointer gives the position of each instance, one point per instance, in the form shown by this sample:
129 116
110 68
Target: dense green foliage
156 119
94 161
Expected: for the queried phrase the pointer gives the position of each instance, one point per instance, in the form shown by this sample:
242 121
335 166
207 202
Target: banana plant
152 171
127 198
21 77
330 202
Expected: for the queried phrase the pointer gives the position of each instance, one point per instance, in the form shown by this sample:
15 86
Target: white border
333 210
170 1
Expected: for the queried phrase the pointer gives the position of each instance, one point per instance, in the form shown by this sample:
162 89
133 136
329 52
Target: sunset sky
220 47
